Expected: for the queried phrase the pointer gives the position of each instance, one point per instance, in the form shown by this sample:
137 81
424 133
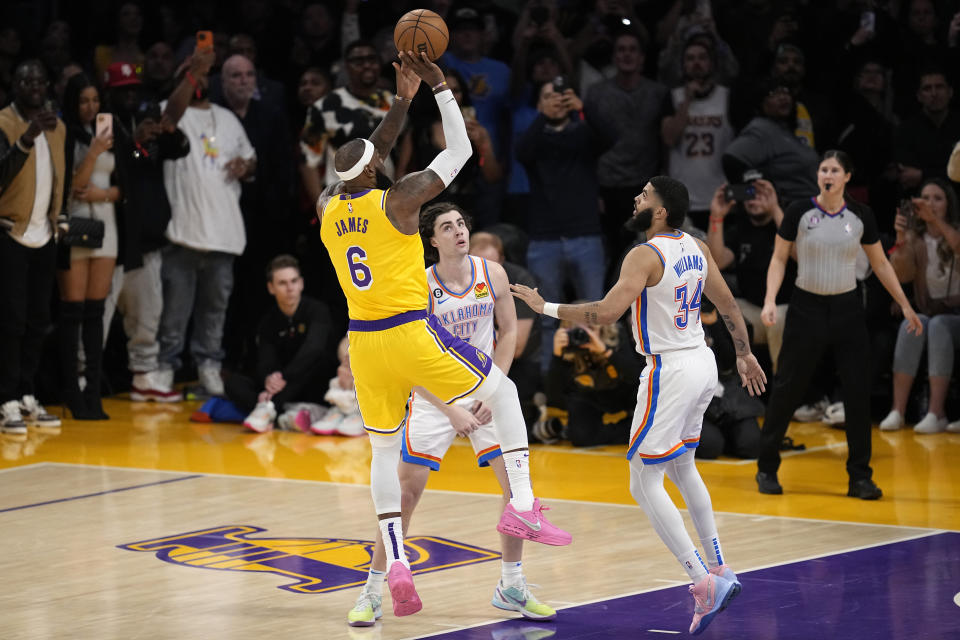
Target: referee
826 313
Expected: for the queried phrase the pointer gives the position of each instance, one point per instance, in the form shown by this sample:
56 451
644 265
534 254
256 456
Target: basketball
421 30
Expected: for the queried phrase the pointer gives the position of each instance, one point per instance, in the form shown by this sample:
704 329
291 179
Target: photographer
559 151
33 181
746 246
927 253
591 386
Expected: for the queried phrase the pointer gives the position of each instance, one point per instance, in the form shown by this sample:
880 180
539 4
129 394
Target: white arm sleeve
448 162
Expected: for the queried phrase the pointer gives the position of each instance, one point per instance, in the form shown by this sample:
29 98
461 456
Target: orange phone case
204 40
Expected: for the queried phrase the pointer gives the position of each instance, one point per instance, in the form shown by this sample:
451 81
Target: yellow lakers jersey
379 268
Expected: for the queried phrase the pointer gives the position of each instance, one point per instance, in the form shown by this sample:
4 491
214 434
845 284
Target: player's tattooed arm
384 137
739 343
407 195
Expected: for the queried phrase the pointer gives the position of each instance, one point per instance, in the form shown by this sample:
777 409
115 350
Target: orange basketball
421 30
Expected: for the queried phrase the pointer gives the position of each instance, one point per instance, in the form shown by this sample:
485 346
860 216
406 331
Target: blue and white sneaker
727 573
519 598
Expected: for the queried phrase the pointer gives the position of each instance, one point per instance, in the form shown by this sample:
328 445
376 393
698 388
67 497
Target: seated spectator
699 130
86 273
560 153
343 417
747 247
291 340
421 143
591 386
525 371
927 254
768 145
923 142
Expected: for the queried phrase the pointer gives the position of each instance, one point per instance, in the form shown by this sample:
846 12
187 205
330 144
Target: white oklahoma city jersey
666 316
681 373
467 314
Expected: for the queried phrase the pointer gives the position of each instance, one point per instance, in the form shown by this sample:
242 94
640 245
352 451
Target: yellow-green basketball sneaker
519 598
366 611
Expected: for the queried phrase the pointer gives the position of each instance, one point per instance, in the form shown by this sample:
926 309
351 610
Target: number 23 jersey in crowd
666 316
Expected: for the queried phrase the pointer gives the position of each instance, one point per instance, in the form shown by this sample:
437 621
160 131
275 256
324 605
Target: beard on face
641 221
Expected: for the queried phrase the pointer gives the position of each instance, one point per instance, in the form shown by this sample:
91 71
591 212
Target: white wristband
551 309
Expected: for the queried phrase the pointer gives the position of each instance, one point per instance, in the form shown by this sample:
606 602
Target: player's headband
364 160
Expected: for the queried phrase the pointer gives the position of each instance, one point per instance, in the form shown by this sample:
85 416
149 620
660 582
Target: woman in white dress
85 281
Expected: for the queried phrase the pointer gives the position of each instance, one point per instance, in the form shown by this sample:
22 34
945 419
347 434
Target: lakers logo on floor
316 565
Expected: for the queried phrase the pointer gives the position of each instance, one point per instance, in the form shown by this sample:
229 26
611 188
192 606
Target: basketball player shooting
661 281
373 240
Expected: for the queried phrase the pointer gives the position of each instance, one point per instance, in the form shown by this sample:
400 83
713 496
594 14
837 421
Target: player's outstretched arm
715 288
639 265
385 136
415 189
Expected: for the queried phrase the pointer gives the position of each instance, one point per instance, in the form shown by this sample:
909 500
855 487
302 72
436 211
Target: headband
357 169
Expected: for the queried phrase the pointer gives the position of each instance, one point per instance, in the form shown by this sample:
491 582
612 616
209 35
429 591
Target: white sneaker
10 419
209 375
295 420
34 413
954 427
834 415
930 424
261 418
154 385
810 412
327 425
351 425
892 422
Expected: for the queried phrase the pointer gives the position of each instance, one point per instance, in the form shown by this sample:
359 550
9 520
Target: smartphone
204 40
104 124
560 84
906 208
868 21
469 113
740 192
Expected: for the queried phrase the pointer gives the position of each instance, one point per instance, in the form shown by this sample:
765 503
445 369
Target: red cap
120 74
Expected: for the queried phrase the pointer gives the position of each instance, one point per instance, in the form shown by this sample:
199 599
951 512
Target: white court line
663 631
757 568
483 495
733 463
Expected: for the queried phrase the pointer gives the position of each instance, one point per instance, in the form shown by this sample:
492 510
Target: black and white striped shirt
828 243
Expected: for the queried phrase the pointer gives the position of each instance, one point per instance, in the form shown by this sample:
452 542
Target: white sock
391 529
375 581
517 464
693 564
511 573
711 549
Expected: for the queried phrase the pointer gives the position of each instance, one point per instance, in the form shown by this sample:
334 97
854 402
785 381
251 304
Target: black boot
93 351
71 316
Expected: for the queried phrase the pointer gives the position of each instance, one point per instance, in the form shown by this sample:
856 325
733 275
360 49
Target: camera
745 190
560 84
577 337
906 208
148 110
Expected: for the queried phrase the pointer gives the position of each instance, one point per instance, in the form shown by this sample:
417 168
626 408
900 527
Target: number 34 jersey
379 268
666 316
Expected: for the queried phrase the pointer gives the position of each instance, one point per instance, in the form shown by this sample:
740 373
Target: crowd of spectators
217 155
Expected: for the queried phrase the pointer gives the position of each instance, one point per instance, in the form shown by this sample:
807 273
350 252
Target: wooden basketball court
149 526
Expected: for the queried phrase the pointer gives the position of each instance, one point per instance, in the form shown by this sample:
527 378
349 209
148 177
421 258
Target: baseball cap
121 74
466 17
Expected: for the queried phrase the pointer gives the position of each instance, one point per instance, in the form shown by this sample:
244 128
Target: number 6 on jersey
359 272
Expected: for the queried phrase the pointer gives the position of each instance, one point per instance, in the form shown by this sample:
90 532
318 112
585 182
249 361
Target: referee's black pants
815 323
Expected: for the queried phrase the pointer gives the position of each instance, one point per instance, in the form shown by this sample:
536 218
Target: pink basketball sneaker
710 597
532 525
405 598
727 573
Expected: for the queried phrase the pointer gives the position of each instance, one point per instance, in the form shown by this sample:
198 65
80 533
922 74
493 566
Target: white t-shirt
942 281
204 199
38 231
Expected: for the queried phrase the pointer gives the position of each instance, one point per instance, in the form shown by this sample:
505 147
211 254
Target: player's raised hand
528 295
751 374
462 421
420 64
407 80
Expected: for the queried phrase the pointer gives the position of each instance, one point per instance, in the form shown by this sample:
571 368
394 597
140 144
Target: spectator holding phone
747 246
86 273
560 151
927 253
33 180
